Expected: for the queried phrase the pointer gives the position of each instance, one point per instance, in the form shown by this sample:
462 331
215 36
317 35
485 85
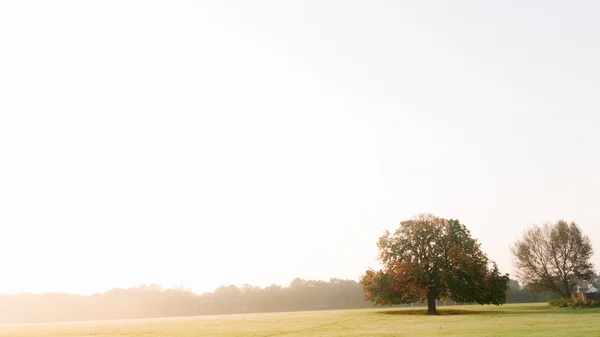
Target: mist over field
153 301
183 158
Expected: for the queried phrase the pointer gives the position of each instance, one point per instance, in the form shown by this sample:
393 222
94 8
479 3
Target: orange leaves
431 255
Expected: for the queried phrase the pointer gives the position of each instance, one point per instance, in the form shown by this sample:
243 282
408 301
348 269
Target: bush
577 303
561 303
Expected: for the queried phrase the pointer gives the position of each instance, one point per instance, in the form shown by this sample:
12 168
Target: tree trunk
431 309
568 289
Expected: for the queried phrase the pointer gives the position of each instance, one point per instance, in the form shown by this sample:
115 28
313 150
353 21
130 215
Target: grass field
508 320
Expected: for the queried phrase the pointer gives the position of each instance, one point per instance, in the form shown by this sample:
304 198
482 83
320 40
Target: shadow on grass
442 312
525 310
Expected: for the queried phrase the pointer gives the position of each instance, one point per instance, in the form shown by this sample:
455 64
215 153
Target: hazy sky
203 143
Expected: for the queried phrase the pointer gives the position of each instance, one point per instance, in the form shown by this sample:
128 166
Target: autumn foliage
430 258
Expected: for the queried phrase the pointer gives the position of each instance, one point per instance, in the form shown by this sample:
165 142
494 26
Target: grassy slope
508 320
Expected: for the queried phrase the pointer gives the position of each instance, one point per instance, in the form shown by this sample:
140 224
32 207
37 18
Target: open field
508 320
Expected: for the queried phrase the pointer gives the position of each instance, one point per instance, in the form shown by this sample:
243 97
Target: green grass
507 320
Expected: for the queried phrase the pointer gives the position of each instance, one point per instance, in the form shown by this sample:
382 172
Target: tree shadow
526 310
442 312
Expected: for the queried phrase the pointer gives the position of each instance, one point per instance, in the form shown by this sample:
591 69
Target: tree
596 282
553 257
431 258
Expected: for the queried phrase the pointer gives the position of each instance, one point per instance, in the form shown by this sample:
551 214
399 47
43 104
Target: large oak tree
553 257
430 258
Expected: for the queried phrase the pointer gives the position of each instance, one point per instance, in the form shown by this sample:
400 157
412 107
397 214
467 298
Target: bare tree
553 257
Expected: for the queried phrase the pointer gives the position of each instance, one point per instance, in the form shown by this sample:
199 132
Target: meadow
507 320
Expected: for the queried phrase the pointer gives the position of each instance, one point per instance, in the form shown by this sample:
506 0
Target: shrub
561 303
577 303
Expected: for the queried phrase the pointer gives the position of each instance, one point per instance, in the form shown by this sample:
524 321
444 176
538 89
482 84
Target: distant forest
153 301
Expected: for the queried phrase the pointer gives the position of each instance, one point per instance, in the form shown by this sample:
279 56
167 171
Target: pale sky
208 143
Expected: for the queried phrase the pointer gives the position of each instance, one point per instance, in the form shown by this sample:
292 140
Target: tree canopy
431 258
553 257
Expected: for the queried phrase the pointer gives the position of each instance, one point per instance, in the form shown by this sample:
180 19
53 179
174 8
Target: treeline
154 301
517 295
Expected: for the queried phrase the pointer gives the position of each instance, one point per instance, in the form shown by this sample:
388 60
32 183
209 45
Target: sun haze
229 142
